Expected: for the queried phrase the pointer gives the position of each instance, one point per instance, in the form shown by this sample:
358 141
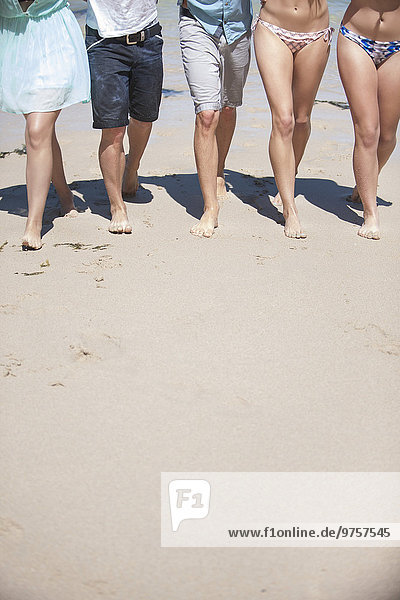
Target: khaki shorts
215 71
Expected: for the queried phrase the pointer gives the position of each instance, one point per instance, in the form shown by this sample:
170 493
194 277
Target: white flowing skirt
43 63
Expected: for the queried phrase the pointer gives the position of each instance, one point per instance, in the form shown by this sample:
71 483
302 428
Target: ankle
214 208
289 210
34 221
371 212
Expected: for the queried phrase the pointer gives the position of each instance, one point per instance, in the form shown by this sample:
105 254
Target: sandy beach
125 356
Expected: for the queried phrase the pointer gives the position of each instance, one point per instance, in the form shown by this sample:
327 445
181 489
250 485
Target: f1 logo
188 499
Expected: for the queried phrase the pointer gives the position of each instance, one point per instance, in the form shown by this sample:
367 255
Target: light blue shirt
229 17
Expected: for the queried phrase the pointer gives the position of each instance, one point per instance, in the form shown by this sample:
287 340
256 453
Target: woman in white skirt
43 68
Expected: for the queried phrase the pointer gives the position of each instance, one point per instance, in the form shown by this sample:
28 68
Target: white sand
164 352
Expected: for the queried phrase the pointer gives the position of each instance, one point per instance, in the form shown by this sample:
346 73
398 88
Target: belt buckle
142 38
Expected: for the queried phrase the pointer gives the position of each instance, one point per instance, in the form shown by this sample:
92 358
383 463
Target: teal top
11 8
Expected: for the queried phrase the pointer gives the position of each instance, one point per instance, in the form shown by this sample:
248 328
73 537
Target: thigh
109 75
146 80
275 63
389 94
360 81
235 67
201 63
309 66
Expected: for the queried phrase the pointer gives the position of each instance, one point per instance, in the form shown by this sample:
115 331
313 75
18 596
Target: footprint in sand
8 527
101 587
109 344
10 366
378 338
8 309
104 262
83 353
261 259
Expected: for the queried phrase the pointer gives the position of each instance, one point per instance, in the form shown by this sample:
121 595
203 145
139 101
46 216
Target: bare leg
308 68
206 154
225 131
38 135
112 164
60 183
360 81
275 63
389 107
138 134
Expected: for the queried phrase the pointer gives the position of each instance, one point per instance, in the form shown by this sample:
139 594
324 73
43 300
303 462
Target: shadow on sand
325 194
184 189
13 200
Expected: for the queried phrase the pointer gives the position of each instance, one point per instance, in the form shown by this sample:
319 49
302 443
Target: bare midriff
375 19
301 15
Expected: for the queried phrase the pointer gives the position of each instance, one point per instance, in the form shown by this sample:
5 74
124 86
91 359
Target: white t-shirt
113 19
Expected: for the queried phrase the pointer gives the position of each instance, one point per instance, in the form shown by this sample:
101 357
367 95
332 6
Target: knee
113 136
140 125
387 137
229 113
37 136
207 120
303 121
283 124
367 135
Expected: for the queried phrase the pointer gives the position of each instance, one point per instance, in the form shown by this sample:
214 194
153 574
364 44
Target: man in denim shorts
124 45
215 47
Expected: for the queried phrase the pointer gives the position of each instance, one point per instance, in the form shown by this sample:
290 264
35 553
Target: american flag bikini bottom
295 40
378 51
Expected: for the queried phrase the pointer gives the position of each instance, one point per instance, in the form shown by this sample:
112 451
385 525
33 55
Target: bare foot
31 239
68 208
293 228
130 183
207 224
277 200
370 228
355 196
119 221
221 188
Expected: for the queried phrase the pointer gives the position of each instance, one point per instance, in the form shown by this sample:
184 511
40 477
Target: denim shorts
216 72
125 79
